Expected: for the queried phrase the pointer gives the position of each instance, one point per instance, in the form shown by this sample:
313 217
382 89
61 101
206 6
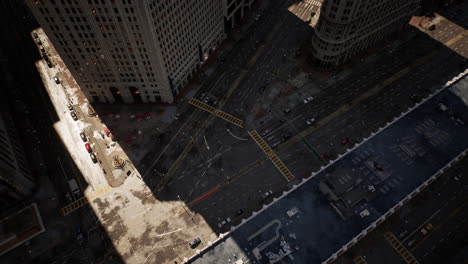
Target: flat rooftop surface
19 228
408 152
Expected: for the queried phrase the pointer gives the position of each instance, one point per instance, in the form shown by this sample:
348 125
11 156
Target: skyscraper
132 50
346 27
16 180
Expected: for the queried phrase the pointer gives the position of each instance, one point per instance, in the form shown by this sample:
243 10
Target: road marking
359 260
404 253
273 157
345 108
84 200
236 121
205 195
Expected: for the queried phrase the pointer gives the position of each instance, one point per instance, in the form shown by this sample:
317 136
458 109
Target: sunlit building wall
347 27
132 50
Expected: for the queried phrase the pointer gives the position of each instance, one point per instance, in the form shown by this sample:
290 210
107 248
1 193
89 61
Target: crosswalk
404 253
359 260
271 154
83 200
236 121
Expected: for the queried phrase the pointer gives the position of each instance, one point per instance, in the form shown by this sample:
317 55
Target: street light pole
185 209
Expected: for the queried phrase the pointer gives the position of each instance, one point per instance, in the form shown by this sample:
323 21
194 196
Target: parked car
308 99
70 107
88 148
267 194
93 157
442 107
195 242
345 141
224 222
39 42
83 136
310 121
177 116
56 80
73 115
49 64
35 35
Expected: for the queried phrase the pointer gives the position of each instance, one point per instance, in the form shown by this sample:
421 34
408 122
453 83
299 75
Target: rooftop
315 219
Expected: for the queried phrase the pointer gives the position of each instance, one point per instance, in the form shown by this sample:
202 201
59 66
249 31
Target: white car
308 99
267 194
310 121
224 222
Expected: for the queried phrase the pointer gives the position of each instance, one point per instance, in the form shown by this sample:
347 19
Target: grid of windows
153 45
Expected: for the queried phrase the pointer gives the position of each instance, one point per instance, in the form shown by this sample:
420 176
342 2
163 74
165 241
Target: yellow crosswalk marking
404 253
236 121
83 201
359 260
275 159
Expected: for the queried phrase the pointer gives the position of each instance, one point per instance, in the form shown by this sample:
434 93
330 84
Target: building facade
234 11
347 27
132 50
16 180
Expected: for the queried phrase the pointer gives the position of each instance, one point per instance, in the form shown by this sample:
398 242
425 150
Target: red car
345 141
88 147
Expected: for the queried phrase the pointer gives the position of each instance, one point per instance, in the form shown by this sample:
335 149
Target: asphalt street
417 63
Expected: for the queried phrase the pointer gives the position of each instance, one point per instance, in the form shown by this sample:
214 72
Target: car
177 116
442 107
49 64
308 99
35 35
56 80
345 141
70 107
73 115
224 222
195 242
267 194
310 121
39 42
287 110
88 148
93 157
112 137
206 99
83 136
239 212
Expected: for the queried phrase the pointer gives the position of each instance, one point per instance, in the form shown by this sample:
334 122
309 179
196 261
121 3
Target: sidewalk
92 126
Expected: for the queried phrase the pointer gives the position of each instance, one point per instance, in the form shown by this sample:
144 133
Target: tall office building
16 180
132 50
346 27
